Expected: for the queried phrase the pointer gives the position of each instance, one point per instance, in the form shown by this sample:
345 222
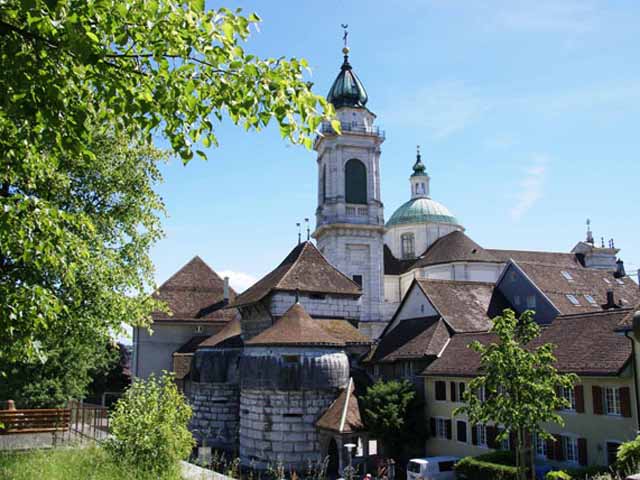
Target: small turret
419 179
347 89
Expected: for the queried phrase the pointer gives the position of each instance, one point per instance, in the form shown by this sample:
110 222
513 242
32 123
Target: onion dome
422 210
347 89
419 169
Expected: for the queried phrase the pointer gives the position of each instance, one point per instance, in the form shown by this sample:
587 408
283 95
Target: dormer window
567 276
590 299
572 299
619 281
606 280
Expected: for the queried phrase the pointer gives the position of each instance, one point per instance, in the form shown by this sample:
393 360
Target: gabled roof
551 280
297 328
343 415
585 344
453 247
411 339
463 305
304 269
560 259
194 293
228 337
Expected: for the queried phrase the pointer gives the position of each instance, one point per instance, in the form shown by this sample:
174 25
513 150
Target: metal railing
88 421
326 128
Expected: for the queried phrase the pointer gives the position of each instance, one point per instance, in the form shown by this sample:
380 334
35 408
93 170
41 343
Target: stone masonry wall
280 427
331 306
216 414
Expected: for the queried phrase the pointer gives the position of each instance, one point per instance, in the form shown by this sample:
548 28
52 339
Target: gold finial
345 37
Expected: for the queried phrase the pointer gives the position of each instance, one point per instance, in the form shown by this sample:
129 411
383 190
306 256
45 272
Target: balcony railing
349 127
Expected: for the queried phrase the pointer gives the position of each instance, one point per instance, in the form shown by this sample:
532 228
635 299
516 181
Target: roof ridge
292 264
193 259
570 316
459 282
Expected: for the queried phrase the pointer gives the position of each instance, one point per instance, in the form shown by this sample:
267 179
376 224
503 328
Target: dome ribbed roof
347 89
422 210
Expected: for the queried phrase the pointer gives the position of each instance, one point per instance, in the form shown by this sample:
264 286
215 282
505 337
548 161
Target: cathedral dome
422 210
347 89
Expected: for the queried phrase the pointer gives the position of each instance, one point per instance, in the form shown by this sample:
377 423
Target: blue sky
527 113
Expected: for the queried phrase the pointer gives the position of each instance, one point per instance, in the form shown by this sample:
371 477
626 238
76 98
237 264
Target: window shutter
625 401
582 451
551 448
579 394
558 450
441 390
432 423
462 431
597 400
447 424
491 437
453 392
461 387
474 435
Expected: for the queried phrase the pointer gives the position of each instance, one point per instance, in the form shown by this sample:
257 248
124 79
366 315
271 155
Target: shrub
149 426
557 475
628 457
495 465
584 473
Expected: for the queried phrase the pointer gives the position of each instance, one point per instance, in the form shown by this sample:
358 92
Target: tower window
358 280
355 181
408 245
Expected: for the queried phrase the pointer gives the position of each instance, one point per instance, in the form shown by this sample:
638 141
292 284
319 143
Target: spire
418 168
347 90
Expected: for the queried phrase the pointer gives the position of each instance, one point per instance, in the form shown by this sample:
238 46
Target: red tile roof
560 259
228 337
297 328
304 269
194 293
585 344
343 415
454 247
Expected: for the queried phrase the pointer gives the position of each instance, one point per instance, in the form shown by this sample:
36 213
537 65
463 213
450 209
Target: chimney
226 290
611 301
619 273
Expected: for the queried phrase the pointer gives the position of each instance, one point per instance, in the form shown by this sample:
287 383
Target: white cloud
531 187
443 108
239 281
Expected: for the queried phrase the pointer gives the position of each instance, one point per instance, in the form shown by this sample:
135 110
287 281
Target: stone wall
280 427
216 414
328 306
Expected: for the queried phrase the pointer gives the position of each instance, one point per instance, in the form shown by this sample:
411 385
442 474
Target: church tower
349 218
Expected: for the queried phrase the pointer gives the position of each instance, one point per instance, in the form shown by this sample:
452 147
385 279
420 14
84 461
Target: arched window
355 174
408 245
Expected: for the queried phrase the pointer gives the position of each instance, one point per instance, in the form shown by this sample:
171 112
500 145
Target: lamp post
349 470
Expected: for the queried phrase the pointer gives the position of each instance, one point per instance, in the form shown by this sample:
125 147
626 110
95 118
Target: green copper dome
422 210
347 90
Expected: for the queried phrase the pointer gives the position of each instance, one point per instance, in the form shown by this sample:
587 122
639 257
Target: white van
431 468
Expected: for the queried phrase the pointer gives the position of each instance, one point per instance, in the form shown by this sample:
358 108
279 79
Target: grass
91 463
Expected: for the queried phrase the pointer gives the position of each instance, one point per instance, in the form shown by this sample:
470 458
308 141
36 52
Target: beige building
604 409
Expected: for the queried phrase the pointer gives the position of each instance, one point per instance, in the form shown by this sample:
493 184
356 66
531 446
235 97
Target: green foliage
628 457
85 86
64 464
519 380
496 465
149 426
558 475
388 407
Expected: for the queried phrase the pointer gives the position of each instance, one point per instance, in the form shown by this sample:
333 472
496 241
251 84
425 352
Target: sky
527 114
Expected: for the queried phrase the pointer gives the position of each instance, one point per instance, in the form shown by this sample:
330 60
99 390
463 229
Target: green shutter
355 182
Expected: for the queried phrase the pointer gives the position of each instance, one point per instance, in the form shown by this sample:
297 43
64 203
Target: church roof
563 259
194 293
453 247
295 328
422 210
228 337
347 90
343 330
343 415
304 269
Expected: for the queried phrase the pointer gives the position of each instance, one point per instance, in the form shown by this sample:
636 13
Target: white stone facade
424 235
325 306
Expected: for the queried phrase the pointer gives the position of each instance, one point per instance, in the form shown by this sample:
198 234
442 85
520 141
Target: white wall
425 234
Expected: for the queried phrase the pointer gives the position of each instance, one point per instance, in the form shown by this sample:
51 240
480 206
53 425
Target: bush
557 475
496 465
149 426
628 457
585 473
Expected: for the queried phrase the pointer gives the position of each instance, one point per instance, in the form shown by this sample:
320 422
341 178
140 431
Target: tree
77 216
520 384
75 244
392 413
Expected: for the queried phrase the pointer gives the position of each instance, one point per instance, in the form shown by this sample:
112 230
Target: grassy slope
77 464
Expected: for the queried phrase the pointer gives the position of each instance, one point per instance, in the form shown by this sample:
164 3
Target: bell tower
349 218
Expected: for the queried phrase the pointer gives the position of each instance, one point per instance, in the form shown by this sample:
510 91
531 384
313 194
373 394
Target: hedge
576 473
495 465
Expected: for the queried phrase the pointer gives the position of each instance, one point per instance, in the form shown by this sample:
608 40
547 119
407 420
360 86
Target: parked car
431 468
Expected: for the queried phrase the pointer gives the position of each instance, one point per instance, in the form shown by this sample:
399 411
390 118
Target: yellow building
604 403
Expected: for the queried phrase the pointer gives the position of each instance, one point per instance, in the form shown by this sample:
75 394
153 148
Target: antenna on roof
589 233
299 233
612 243
306 221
